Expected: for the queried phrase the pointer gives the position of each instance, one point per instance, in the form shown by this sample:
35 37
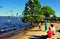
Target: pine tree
32 11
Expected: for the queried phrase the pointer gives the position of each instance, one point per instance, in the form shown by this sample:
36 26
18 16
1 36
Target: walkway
35 32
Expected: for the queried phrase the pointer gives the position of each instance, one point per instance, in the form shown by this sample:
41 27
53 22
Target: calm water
16 23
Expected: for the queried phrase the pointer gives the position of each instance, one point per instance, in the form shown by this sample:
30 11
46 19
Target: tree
47 11
32 11
54 18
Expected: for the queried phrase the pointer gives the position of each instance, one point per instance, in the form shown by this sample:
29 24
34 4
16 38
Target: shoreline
14 33
10 34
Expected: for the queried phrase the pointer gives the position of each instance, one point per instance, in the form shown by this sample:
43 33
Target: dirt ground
36 32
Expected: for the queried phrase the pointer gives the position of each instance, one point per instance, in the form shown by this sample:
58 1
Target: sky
9 7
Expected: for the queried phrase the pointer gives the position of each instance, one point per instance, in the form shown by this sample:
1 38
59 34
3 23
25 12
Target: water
16 23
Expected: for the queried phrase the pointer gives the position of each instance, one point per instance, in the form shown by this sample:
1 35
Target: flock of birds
11 10
7 12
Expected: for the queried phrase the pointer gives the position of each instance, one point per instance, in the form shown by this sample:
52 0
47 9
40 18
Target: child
49 33
53 29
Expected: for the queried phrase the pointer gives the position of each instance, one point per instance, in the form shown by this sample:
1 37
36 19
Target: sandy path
36 32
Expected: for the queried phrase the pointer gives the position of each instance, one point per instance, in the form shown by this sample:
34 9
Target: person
46 26
9 21
49 33
40 26
53 29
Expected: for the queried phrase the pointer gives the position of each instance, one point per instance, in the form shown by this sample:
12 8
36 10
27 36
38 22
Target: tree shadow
59 31
34 30
39 37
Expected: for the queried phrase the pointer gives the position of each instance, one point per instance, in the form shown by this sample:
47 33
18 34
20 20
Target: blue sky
8 7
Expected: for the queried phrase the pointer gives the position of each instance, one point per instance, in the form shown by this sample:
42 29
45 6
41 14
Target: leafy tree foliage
32 11
47 11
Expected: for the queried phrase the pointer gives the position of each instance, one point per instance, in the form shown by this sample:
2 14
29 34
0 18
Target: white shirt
53 29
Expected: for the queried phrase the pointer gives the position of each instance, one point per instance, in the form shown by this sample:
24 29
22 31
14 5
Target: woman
40 26
46 26
49 33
